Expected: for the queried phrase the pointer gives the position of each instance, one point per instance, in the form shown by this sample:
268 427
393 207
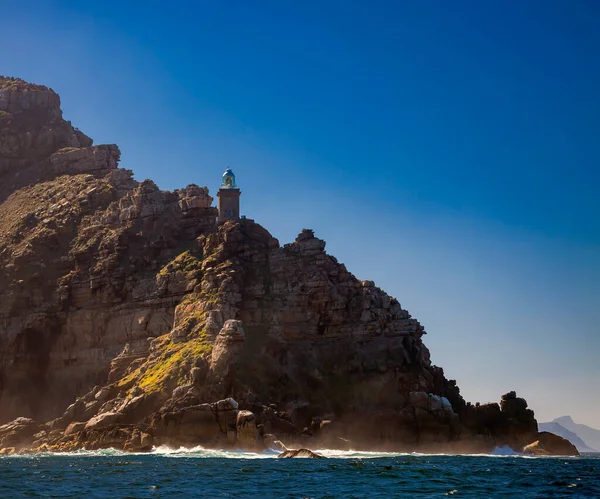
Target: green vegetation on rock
171 365
185 262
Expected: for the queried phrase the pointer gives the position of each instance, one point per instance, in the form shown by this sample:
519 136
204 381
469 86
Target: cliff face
80 245
126 312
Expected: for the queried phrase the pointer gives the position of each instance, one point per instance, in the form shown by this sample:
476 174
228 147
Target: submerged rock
305 453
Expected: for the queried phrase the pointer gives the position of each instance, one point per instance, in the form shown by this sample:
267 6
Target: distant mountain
561 431
589 435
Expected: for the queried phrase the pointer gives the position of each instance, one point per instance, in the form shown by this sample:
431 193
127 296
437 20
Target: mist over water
202 452
199 472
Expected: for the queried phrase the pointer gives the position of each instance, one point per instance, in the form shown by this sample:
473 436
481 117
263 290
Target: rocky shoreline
221 425
130 318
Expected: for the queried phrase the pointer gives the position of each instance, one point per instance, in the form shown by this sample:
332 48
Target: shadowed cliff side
130 318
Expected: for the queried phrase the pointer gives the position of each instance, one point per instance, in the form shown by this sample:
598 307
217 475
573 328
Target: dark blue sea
208 474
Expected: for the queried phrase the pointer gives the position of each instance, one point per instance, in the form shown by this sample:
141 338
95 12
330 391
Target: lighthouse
228 198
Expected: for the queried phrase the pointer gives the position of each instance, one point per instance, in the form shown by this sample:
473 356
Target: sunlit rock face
32 130
130 317
81 244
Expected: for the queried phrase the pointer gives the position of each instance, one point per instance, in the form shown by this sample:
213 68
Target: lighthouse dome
228 181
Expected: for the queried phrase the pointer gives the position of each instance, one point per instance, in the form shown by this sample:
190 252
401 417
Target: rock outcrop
130 318
549 444
572 437
17 432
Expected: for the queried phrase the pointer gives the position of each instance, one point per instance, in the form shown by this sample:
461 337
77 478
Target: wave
498 452
506 451
202 452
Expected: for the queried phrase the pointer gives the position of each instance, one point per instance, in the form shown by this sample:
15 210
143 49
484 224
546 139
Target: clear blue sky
447 150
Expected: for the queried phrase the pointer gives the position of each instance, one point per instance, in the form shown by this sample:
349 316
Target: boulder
105 437
146 440
434 404
134 409
139 442
248 434
75 428
103 394
549 444
104 420
227 414
194 425
18 432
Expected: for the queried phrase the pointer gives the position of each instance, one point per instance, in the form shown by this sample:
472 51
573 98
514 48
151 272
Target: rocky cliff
130 318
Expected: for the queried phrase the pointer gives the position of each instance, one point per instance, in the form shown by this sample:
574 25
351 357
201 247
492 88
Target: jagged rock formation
127 311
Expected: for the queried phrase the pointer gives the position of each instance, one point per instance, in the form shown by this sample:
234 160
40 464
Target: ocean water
213 474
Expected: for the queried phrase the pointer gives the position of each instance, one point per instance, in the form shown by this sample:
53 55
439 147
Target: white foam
202 452
354 454
505 451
